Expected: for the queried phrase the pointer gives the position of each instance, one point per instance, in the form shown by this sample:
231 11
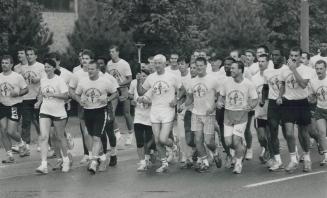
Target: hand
292 65
279 101
133 102
262 103
37 105
173 103
138 76
103 100
210 111
220 105
180 107
83 102
139 99
35 80
69 107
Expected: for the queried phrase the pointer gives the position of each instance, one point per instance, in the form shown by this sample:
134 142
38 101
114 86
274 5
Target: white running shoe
129 139
276 166
142 166
85 159
162 168
249 154
65 166
42 169
237 168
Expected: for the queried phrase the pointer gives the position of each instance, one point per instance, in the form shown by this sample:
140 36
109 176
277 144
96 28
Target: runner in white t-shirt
260 122
322 55
238 95
293 96
12 88
142 124
121 70
202 92
318 95
160 88
51 100
254 68
32 73
92 93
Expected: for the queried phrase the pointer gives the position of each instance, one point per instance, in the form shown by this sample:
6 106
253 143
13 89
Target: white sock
103 157
113 151
9 153
146 157
90 155
238 160
293 157
306 156
65 159
325 155
278 158
232 152
44 163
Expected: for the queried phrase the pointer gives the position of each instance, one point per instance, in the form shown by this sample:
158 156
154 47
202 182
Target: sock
103 157
9 153
325 155
262 151
90 154
113 151
238 160
164 161
142 162
44 163
205 160
232 152
307 156
22 143
146 157
65 159
293 157
278 158
27 146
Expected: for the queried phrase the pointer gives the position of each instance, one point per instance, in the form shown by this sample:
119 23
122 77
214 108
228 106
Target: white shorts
162 116
205 123
237 129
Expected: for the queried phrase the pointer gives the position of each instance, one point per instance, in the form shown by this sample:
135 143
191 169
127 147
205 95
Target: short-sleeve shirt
254 68
271 78
32 71
292 89
9 83
238 94
50 105
66 75
112 80
94 91
18 68
142 111
75 69
260 112
319 88
77 76
119 70
163 88
204 90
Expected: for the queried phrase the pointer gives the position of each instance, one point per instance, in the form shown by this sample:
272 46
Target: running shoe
276 166
58 165
186 165
238 168
113 160
202 168
42 169
142 166
8 160
307 166
323 162
291 167
249 154
85 159
228 161
102 165
15 148
163 168
270 162
23 151
93 166
65 166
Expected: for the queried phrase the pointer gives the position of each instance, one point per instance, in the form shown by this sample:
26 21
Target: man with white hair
159 89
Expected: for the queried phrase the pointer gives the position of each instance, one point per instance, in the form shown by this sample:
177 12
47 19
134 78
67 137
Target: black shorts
13 113
320 114
274 111
296 111
96 120
260 123
52 118
220 116
251 113
110 111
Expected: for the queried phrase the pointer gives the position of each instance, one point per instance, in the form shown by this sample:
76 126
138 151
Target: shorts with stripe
205 123
96 120
51 117
13 113
320 114
260 123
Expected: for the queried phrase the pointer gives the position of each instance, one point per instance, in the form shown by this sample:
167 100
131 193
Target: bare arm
302 82
127 81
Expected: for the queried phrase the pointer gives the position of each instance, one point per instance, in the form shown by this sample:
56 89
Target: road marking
281 179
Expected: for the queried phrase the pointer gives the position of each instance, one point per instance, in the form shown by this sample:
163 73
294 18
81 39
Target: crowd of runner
183 109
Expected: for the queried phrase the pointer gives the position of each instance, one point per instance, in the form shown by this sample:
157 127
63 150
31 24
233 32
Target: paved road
20 181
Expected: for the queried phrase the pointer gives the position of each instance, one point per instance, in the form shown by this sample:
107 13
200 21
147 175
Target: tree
21 24
233 24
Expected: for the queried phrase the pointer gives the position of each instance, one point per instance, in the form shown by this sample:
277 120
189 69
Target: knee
44 137
139 145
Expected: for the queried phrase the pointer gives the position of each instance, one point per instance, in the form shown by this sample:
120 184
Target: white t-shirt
246 74
163 88
260 112
50 105
77 76
18 68
292 89
271 77
119 70
75 69
238 94
142 112
175 72
319 88
12 82
32 71
254 68
204 92
95 92
112 80
209 68
66 75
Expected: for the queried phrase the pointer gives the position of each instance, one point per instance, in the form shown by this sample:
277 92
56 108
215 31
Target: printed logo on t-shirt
259 90
115 73
322 93
28 76
5 89
199 90
160 87
48 90
92 95
274 83
291 82
235 98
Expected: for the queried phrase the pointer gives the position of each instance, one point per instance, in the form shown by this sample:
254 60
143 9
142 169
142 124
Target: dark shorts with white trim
96 120
13 112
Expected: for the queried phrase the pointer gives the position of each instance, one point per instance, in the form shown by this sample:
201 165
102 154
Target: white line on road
281 179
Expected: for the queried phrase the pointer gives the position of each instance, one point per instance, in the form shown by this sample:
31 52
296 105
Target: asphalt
19 180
